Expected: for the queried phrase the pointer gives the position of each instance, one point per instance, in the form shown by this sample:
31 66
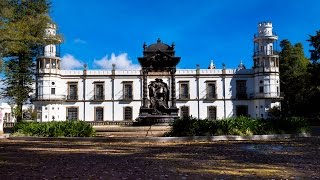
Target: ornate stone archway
158 60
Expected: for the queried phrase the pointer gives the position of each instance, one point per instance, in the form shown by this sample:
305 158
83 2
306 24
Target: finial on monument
159 40
144 45
113 66
212 65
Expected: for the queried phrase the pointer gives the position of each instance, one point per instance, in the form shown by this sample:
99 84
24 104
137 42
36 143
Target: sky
100 33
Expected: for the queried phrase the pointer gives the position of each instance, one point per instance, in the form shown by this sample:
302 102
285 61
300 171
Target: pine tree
314 75
22 33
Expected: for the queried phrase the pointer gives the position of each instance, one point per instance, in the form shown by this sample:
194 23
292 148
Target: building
118 95
5 112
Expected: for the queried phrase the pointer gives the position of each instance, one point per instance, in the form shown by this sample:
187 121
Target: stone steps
131 131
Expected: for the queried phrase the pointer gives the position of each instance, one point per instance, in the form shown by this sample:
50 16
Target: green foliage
54 129
312 109
315 43
293 78
237 126
22 33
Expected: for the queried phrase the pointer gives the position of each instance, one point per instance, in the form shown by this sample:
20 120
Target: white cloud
70 62
121 61
79 41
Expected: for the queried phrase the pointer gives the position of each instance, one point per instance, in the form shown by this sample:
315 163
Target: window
73 91
211 90
241 91
261 89
99 114
53 90
212 113
242 110
72 113
127 91
184 112
98 93
184 90
127 113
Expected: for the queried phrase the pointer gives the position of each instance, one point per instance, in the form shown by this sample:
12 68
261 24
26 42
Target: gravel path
70 159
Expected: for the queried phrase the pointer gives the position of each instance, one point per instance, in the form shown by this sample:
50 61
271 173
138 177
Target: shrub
54 129
237 126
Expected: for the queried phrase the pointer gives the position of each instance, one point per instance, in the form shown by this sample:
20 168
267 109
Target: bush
237 126
54 129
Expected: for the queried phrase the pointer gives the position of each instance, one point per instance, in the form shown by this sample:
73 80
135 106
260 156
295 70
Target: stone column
173 88
145 90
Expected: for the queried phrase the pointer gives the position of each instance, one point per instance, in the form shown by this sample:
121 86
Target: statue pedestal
149 115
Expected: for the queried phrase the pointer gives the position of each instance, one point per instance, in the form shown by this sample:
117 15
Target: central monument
158 61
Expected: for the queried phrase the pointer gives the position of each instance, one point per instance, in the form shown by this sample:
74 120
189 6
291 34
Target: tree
315 43
22 33
293 78
314 75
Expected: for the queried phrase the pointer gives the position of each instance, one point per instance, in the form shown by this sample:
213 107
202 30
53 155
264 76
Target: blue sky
100 33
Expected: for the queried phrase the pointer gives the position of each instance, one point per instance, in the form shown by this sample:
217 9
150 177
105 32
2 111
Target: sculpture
158 94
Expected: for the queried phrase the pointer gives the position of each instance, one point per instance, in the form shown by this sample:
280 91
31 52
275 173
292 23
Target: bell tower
266 70
48 78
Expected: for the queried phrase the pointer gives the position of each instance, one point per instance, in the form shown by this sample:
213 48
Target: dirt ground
75 159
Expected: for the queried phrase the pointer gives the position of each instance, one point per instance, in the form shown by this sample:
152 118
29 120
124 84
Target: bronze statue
158 94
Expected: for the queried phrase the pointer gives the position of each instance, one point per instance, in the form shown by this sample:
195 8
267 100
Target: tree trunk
19 114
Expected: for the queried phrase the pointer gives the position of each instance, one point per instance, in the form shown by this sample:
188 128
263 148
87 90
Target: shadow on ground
74 159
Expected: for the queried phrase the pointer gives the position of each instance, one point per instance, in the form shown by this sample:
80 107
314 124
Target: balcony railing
241 96
98 97
211 96
72 97
184 96
270 95
127 97
266 52
47 97
256 35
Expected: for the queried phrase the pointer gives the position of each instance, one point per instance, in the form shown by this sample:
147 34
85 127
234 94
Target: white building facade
117 95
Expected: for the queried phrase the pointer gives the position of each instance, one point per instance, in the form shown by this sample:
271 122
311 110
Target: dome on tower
241 66
158 46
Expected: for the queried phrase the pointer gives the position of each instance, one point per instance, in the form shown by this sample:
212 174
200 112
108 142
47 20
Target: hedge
54 129
237 126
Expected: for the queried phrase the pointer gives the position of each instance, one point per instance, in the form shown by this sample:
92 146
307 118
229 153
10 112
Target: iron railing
72 97
98 97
